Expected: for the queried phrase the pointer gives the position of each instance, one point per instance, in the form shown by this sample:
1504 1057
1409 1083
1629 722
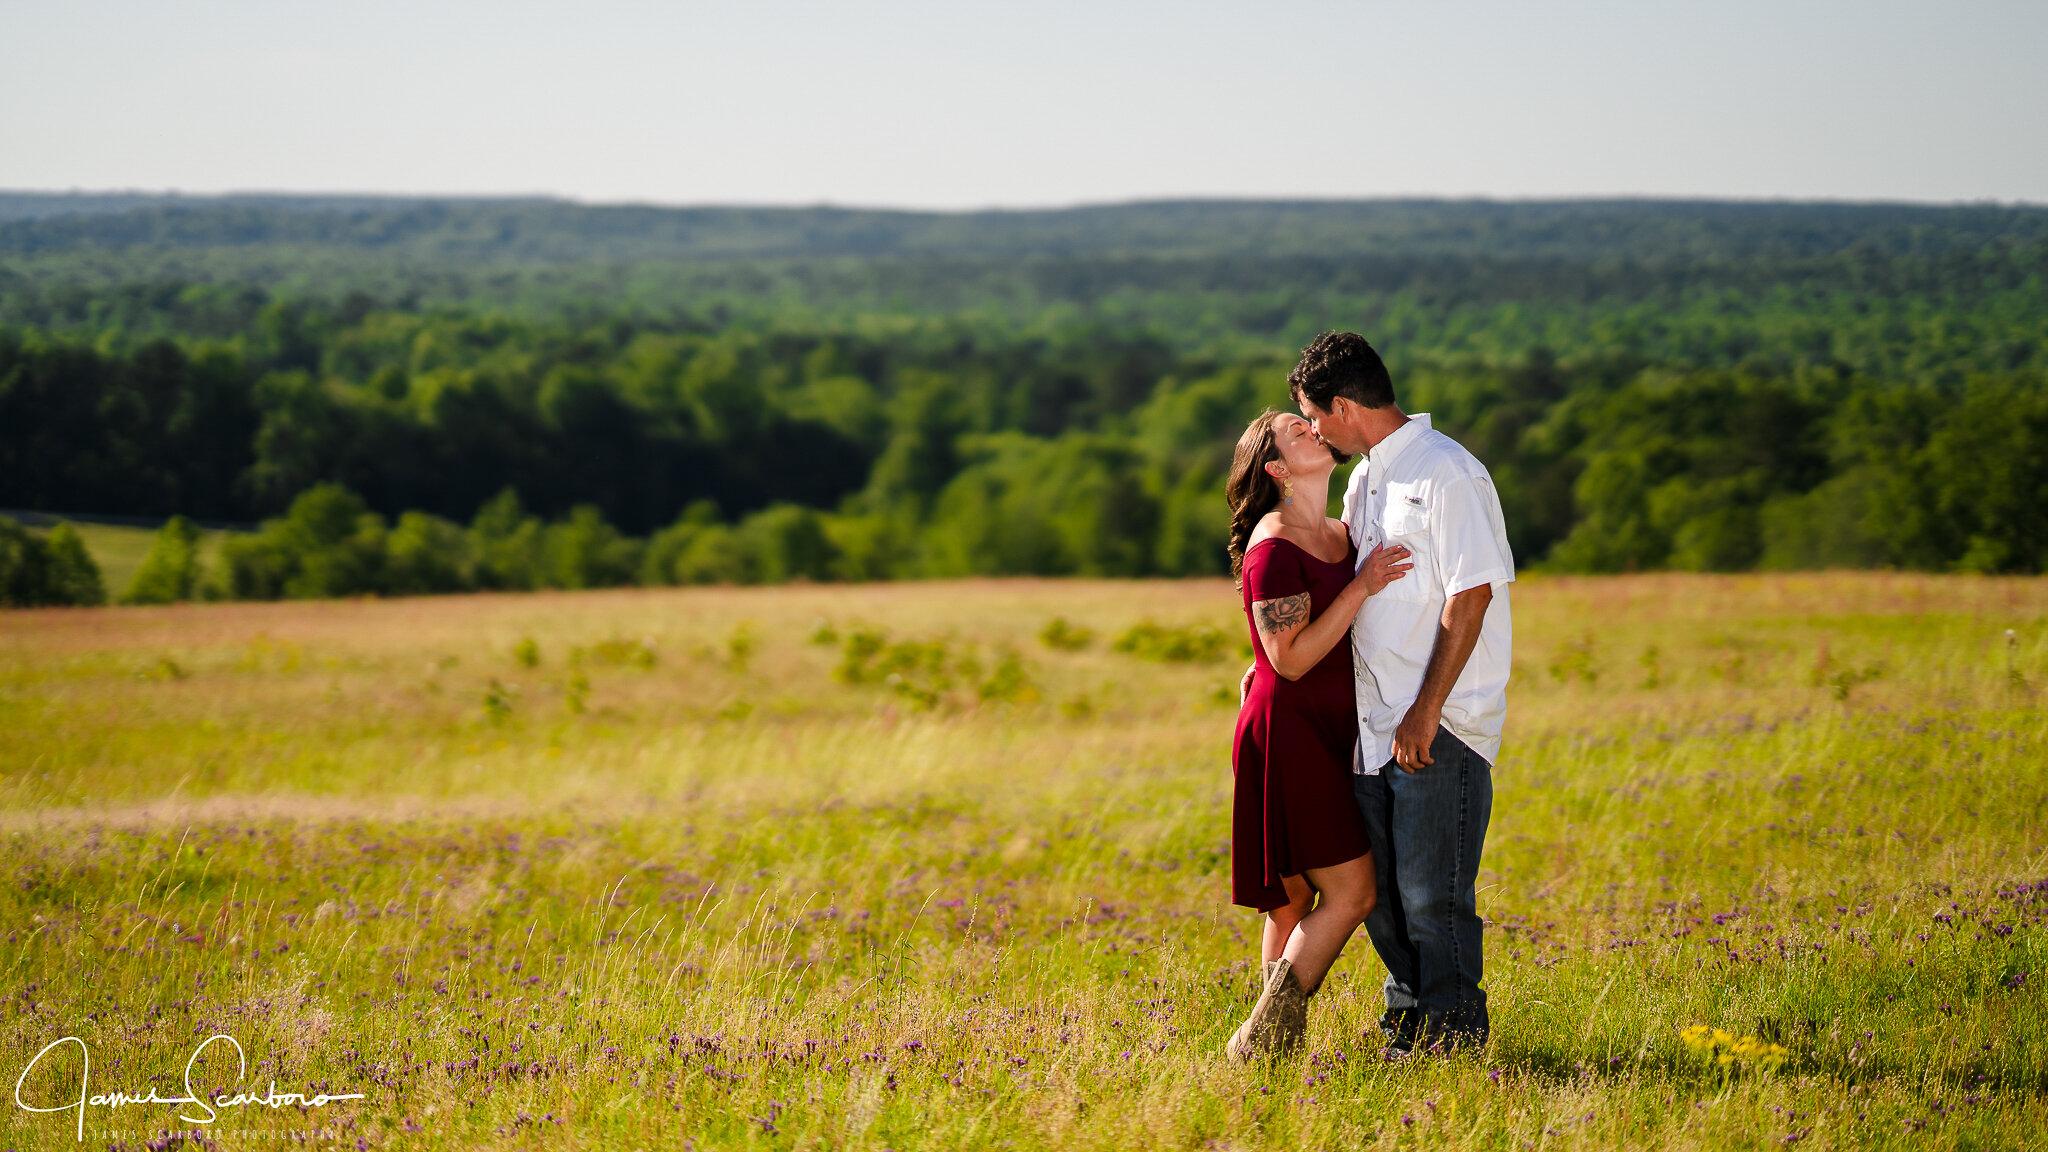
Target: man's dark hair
1341 364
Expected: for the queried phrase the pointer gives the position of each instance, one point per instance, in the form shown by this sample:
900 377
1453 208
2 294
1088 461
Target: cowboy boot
1277 1022
1290 1010
1241 1045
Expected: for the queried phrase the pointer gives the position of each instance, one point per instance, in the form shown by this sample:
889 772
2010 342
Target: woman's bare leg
1280 921
1345 895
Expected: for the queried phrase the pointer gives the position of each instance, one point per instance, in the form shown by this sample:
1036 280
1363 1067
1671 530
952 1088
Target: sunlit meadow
914 866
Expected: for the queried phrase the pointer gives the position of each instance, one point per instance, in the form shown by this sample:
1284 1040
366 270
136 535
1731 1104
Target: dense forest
448 394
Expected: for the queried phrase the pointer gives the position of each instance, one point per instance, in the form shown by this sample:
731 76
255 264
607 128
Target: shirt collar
1384 453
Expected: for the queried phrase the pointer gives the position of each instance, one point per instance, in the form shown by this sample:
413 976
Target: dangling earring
1287 490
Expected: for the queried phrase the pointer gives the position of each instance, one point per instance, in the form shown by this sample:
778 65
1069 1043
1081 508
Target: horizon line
994 209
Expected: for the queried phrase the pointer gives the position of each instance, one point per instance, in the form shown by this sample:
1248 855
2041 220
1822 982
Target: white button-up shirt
1421 489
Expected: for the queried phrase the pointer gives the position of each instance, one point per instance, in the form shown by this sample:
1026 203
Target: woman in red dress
1298 846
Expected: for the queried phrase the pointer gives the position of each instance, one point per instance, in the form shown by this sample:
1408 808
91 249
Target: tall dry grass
702 884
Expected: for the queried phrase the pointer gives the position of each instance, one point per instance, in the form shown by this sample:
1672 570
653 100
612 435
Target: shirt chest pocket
1407 523
1407 520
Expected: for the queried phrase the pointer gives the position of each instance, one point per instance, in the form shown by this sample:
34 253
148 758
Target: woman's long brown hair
1251 491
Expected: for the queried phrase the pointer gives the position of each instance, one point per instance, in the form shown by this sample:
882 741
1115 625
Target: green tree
36 570
1677 468
658 561
715 555
786 542
426 554
327 544
508 544
1987 466
1080 505
74 577
171 571
1194 527
920 457
872 545
24 567
585 552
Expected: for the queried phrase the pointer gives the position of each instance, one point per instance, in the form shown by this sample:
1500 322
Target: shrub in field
1063 636
921 671
170 572
617 651
498 700
73 575
1576 660
924 671
53 569
740 645
858 654
1840 678
24 566
1186 643
1652 662
1008 683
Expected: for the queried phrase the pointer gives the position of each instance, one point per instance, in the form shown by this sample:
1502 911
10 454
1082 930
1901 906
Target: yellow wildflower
1727 1049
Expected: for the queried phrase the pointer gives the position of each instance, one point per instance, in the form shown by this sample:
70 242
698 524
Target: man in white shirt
1431 656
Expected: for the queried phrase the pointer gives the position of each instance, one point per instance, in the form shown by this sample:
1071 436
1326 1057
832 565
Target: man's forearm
1457 633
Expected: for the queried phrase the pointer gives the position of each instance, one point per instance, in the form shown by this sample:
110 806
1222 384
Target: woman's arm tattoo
1280 615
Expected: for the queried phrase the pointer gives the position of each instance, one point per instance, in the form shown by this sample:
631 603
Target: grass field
877 867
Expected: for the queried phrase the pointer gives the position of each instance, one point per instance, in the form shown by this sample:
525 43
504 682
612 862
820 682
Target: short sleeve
1471 535
1273 573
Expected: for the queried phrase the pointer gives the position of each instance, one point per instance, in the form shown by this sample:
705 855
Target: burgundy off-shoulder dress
1293 809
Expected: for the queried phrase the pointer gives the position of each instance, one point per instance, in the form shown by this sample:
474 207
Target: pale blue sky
1048 103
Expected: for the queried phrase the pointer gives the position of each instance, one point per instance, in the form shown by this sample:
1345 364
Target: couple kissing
1372 712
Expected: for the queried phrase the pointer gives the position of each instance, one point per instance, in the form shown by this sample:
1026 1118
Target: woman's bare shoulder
1267 528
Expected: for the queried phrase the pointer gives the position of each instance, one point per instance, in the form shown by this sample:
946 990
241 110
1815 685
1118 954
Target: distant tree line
467 404
412 454
1701 234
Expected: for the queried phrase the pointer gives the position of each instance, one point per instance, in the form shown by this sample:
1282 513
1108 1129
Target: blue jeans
1427 828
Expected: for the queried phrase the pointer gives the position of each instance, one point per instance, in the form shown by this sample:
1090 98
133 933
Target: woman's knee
1353 900
1353 904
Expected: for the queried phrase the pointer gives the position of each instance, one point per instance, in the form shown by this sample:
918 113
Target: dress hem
1283 903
